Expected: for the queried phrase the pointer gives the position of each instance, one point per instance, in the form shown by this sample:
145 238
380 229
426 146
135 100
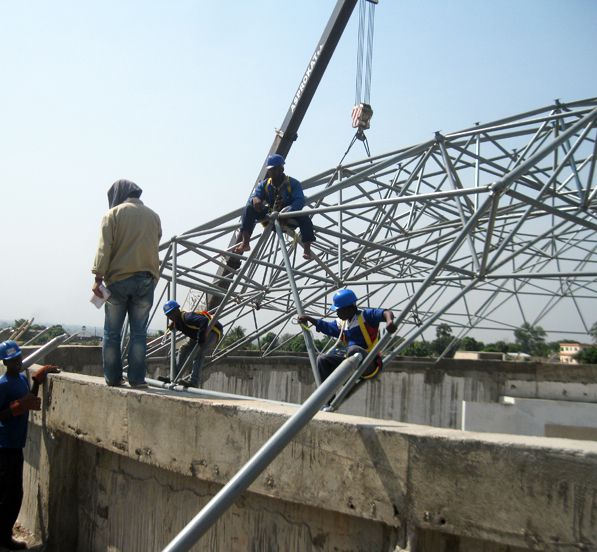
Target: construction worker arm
21 406
103 253
389 318
303 319
327 328
373 317
258 196
297 197
40 375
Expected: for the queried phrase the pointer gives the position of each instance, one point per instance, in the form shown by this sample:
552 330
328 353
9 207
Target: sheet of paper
99 301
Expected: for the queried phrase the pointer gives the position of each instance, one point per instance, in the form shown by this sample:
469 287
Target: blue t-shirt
13 431
352 330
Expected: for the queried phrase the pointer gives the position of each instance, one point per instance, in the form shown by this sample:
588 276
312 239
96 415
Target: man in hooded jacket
127 262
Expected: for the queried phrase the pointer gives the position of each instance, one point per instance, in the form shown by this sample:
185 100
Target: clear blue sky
183 98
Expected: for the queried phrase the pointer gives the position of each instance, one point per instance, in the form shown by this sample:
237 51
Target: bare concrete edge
521 491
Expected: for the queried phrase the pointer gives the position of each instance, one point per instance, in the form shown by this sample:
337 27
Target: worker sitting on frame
273 194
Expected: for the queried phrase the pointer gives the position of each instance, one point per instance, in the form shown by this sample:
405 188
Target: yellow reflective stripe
209 317
372 374
268 183
365 333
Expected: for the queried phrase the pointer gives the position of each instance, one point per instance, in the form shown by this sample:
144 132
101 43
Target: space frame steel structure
482 229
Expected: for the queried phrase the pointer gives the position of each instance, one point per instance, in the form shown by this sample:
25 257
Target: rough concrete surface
132 467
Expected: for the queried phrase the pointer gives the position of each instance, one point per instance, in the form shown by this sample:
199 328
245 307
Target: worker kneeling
357 331
194 325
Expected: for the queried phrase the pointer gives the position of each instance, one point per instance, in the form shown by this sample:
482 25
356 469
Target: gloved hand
304 319
40 375
391 327
28 402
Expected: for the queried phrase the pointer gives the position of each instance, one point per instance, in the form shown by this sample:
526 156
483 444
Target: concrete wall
124 470
414 391
569 419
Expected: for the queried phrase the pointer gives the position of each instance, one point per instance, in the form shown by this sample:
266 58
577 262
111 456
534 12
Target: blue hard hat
275 160
9 349
344 298
169 306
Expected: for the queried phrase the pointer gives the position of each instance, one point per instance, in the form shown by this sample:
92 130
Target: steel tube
173 297
297 302
43 351
267 453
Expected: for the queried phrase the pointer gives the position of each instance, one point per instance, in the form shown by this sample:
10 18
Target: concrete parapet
140 464
418 391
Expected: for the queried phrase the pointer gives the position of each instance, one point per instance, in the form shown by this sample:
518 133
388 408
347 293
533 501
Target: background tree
502 347
587 355
268 341
49 332
418 349
593 332
235 334
468 343
443 333
531 339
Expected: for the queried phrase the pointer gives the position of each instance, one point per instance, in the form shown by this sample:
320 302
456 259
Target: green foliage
470 344
268 341
295 344
593 332
502 347
443 339
37 329
235 334
531 339
418 349
587 356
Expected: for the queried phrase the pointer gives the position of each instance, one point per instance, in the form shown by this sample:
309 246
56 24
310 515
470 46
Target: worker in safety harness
275 193
357 331
16 400
193 325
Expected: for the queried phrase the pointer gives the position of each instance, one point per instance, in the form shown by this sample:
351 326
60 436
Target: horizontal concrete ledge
521 491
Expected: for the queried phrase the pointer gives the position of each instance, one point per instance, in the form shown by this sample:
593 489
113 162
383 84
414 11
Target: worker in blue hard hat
276 192
194 325
357 332
16 400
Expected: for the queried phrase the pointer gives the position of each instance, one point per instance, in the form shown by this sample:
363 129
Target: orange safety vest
217 328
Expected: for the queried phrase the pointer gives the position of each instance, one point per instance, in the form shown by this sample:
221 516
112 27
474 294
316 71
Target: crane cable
364 51
362 112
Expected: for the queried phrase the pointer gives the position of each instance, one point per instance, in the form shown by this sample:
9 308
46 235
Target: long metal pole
173 297
43 351
298 303
267 453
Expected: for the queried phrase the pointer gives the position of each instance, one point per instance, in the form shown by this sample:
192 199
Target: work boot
186 382
13 545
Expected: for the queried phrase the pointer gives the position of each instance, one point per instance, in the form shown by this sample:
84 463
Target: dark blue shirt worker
16 400
194 325
276 192
358 332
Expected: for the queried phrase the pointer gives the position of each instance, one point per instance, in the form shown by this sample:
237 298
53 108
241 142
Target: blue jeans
132 296
204 350
327 363
251 216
